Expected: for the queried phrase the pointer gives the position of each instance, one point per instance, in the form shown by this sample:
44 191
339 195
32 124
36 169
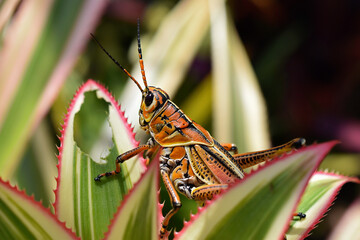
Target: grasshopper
192 162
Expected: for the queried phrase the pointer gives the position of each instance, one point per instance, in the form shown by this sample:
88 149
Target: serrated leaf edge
251 174
31 198
331 201
153 164
89 85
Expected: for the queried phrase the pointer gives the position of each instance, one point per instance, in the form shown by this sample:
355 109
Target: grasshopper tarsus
300 215
107 174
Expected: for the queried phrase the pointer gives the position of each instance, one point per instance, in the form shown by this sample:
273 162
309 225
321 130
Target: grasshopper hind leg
246 160
230 147
207 192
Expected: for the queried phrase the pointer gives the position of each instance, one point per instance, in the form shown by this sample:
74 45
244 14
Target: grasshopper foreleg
122 158
175 202
150 154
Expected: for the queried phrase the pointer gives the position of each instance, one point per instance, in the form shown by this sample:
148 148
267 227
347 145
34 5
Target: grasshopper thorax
153 99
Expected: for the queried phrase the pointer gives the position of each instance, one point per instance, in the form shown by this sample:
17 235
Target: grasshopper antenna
118 64
140 55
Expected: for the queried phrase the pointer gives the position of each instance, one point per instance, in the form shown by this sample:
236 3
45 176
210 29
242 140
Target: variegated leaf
261 205
21 217
40 47
318 197
137 217
85 205
239 109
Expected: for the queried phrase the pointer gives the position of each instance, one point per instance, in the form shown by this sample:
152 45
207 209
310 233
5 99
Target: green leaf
87 206
37 171
31 74
137 217
260 206
239 108
318 197
23 218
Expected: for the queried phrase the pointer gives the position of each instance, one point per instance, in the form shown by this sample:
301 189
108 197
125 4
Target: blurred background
305 56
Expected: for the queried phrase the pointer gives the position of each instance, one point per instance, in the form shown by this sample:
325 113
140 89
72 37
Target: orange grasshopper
192 162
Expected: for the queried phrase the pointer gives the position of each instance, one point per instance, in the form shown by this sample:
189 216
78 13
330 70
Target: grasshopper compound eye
149 99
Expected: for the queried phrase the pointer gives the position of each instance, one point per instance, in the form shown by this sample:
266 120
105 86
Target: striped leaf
260 206
85 205
239 110
138 214
318 197
23 218
40 47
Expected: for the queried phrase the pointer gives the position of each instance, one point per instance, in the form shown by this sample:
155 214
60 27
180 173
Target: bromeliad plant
260 206
127 206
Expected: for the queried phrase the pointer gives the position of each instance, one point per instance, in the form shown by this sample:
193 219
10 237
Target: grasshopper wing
213 164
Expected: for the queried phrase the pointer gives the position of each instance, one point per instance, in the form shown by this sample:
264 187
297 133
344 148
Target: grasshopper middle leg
175 202
122 158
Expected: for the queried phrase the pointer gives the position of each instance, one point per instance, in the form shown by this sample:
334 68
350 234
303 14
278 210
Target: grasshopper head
152 101
152 98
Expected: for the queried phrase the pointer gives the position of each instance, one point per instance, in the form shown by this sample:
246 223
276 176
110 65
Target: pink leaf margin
38 206
91 85
153 164
331 200
325 148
